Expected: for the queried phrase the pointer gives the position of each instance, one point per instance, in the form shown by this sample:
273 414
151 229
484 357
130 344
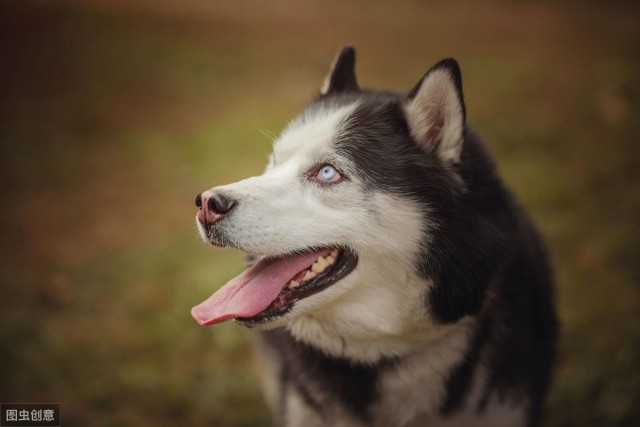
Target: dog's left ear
342 76
435 111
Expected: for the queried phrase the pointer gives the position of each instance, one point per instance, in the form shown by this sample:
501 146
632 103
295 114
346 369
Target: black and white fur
448 319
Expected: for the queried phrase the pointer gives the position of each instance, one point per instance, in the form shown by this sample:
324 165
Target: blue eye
328 174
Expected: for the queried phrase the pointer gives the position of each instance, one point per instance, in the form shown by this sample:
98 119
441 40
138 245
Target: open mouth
270 288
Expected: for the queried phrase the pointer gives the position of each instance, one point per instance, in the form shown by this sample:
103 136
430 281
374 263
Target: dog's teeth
330 260
316 267
308 275
319 265
334 253
294 284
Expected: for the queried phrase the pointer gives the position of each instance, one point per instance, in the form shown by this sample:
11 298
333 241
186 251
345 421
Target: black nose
220 203
213 206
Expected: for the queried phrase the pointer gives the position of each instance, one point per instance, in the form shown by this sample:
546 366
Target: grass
113 116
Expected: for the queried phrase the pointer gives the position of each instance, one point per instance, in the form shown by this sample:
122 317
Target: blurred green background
115 114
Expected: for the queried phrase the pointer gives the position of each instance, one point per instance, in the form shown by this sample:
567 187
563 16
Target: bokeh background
114 114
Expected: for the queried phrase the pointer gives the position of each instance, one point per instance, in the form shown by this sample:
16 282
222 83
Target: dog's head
343 221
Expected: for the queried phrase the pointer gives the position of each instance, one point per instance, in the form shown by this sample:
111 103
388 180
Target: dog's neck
352 332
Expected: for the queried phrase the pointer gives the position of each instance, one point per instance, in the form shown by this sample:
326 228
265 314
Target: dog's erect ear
341 77
435 111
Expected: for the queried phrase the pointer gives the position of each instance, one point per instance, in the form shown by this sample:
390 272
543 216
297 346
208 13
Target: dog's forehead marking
312 134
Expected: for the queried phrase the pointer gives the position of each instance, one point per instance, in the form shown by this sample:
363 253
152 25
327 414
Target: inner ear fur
436 113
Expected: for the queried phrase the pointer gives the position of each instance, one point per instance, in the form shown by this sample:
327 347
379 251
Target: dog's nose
213 206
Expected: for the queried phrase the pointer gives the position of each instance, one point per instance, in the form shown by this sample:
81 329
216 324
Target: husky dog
396 281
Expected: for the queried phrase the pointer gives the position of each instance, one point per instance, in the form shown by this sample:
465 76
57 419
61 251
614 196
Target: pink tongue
252 291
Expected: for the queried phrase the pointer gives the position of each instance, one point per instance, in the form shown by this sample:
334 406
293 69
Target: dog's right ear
342 76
